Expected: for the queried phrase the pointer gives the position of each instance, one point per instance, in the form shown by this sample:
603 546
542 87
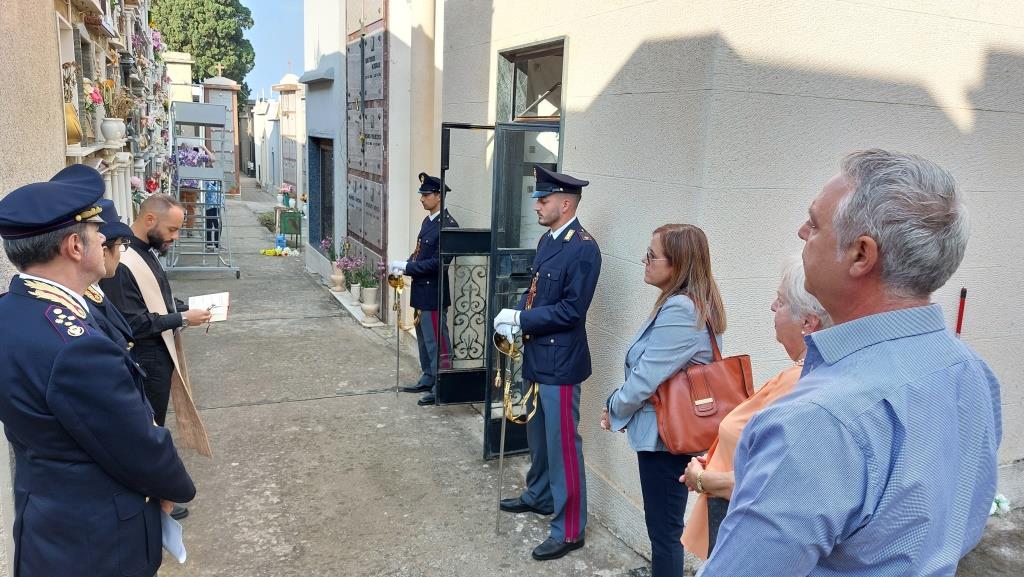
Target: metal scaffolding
198 133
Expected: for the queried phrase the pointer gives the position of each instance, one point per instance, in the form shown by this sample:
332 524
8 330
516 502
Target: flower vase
353 291
370 306
338 278
280 199
98 114
113 129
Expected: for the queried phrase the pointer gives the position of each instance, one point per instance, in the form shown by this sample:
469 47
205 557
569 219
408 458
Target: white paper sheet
218 301
172 537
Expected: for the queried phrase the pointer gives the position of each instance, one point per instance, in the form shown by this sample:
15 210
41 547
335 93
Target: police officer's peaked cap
70 197
431 184
550 182
112 226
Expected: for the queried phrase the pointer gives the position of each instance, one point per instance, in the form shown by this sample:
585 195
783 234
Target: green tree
212 32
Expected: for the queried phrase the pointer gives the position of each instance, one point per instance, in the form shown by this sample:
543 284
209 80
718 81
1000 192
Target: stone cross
220 69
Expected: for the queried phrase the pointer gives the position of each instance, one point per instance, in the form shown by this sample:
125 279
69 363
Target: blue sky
276 37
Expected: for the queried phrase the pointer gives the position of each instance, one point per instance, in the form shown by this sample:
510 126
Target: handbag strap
717 354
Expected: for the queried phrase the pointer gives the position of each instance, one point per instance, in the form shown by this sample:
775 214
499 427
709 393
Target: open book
216 303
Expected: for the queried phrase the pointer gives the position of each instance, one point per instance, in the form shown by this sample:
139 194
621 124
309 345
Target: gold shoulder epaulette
65 322
94 295
55 295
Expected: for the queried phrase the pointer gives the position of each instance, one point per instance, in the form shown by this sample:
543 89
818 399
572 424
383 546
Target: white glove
398 266
507 317
507 331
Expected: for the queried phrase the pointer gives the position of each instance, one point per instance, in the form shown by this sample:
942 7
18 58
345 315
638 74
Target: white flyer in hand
172 537
216 303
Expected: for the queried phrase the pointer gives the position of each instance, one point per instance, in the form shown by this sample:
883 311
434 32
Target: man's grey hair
912 208
801 303
41 248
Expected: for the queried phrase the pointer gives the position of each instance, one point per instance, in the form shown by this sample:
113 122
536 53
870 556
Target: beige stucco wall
731 115
33 141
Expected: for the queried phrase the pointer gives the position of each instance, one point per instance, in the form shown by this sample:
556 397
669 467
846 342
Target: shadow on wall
740 148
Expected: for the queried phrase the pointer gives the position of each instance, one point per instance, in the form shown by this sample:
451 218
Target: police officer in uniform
118 236
91 467
552 317
431 320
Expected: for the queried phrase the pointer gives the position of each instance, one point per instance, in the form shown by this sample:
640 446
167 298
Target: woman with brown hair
676 334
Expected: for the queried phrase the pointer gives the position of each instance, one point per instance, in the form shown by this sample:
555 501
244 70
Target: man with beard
141 291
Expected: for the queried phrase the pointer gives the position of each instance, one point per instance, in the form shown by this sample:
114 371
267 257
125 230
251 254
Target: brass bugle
396 281
506 347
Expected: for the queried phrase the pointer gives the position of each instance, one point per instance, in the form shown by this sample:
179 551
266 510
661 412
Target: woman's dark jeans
664 507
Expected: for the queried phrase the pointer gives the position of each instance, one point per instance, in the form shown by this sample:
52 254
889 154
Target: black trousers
717 508
213 225
157 362
664 507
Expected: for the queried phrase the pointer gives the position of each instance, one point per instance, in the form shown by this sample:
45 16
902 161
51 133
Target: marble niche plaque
366 210
366 154
369 62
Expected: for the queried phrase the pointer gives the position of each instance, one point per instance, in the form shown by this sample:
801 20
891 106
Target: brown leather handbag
691 403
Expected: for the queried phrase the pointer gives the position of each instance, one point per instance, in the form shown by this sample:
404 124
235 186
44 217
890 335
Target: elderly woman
797 313
676 334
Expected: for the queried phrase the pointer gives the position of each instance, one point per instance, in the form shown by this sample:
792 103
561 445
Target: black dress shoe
417 388
552 548
178 512
516 505
427 399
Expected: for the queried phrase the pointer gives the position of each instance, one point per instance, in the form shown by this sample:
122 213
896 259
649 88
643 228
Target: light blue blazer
664 345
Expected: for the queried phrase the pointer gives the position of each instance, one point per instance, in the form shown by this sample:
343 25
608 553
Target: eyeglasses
649 258
123 243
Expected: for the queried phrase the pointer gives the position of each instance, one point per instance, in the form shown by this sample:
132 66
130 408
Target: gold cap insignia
88 213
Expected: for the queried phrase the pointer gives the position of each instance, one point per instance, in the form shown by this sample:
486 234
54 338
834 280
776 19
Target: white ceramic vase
113 129
370 306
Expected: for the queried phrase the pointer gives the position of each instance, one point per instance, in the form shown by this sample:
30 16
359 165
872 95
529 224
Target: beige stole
191 430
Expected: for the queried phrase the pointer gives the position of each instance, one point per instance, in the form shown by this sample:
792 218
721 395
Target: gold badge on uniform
569 234
75 331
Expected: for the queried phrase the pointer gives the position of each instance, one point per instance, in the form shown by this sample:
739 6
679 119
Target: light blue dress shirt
882 462
664 344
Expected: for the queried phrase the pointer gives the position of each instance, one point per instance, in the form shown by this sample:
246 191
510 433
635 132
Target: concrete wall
324 47
33 137
731 115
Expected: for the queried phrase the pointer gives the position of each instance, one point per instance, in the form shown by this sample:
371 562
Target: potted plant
93 99
285 193
352 267
119 106
370 288
338 276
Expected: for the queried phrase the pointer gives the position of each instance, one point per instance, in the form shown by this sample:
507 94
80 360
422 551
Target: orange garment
695 535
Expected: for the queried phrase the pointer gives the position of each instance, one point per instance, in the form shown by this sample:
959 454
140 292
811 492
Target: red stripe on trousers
570 465
443 362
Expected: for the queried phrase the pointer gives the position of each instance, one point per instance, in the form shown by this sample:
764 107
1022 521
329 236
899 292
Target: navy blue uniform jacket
555 329
110 320
90 465
423 268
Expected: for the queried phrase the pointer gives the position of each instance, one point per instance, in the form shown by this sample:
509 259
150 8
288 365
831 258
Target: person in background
676 334
797 314
431 316
118 236
905 417
141 291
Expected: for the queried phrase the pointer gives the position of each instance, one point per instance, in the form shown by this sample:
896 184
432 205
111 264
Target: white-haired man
883 460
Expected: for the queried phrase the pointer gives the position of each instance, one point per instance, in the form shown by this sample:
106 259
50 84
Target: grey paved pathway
319 469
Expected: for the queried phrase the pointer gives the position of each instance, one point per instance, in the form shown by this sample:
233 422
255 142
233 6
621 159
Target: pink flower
96 96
